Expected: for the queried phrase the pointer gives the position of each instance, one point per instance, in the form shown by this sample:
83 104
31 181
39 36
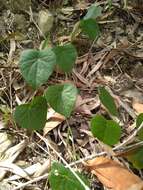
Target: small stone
45 21
19 5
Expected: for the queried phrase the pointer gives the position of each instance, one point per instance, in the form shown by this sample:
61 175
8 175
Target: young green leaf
62 98
90 28
136 158
66 56
108 101
139 121
93 12
61 178
33 115
107 131
37 66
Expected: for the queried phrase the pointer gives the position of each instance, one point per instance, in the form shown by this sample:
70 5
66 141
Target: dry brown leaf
138 107
81 106
113 175
54 119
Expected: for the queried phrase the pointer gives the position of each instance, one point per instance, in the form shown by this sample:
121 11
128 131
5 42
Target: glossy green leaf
90 28
94 11
108 101
33 115
66 56
139 121
37 66
61 178
136 158
62 98
107 131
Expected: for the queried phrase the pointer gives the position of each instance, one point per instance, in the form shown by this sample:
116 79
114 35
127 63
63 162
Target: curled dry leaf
53 120
81 106
113 175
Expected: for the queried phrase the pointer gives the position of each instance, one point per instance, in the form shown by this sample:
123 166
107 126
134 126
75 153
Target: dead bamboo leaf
6 186
54 119
10 155
7 166
113 175
30 171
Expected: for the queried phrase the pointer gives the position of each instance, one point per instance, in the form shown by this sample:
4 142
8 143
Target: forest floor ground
115 60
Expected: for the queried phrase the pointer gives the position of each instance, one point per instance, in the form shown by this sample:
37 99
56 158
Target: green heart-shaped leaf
107 131
62 98
90 28
66 56
37 66
32 115
108 101
61 178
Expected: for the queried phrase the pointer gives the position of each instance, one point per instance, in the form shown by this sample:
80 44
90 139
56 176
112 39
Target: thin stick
83 160
64 161
130 138
31 181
